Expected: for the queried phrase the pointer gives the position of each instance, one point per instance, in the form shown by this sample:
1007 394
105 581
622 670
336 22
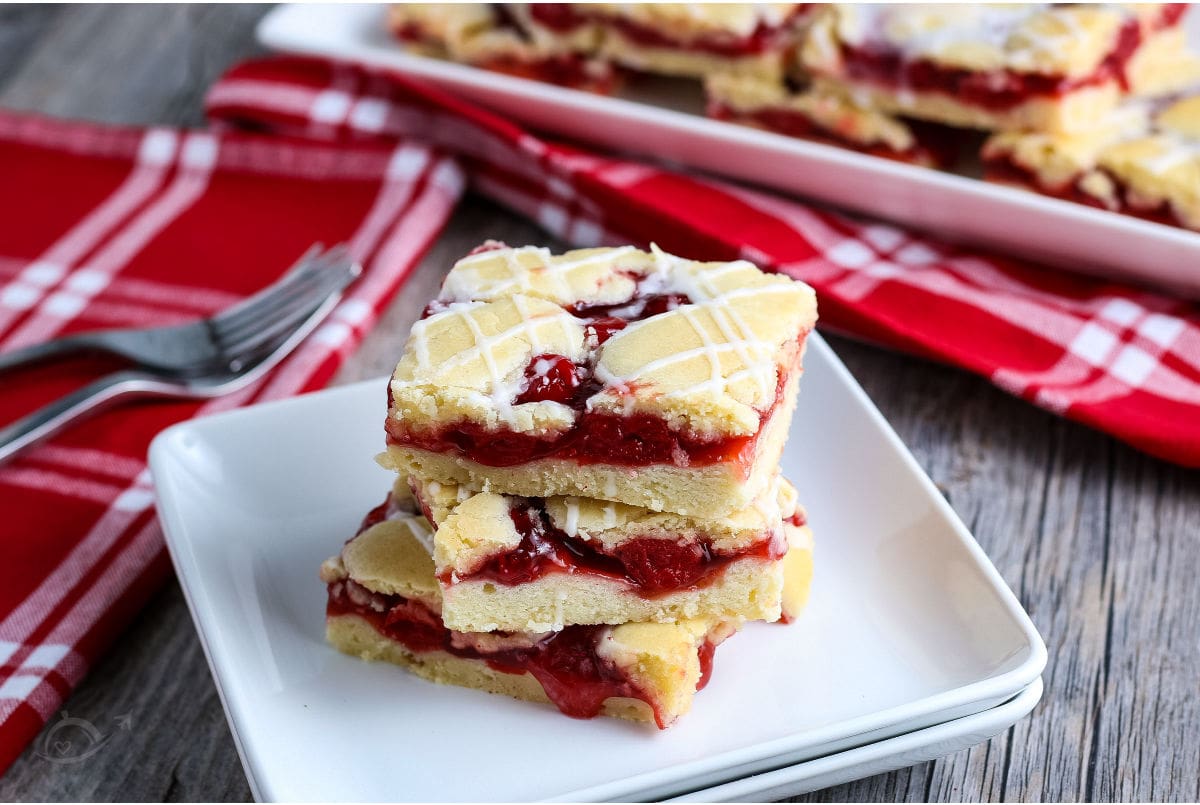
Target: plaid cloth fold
1118 358
105 227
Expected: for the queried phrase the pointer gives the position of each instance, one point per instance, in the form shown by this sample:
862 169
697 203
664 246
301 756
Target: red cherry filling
413 615
936 146
635 440
488 246
573 675
662 565
559 17
661 303
631 441
639 306
603 328
1006 171
411 32
436 306
654 566
376 516
597 437
551 378
565 71
387 510
566 664
543 546
707 649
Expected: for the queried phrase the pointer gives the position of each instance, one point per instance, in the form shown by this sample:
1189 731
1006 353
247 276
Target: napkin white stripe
185 189
138 186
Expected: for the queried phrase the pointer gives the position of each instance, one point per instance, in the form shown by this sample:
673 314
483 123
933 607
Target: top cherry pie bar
613 373
1018 66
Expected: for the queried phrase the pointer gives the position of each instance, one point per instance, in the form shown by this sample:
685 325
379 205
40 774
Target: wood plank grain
121 64
20 28
1102 544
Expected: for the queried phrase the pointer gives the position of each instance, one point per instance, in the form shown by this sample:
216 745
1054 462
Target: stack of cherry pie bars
1097 103
588 497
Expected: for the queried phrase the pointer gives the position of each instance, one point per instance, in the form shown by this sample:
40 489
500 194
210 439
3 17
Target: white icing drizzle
1136 119
709 349
663 262
730 19
767 503
610 486
461 493
1129 120
462 285
502 389
571 526
723 314
671 275
520 303
881 25
729 333
1177 150
421 532
420 340
501 395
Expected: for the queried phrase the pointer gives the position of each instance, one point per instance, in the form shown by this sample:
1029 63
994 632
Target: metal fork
200 343
237 346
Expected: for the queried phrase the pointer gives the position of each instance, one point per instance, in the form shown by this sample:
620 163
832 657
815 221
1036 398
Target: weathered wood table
1101 543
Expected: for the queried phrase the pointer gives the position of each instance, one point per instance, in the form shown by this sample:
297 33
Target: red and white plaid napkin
1112 356
103 227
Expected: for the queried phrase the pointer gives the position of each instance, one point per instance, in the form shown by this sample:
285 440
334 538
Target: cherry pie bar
496 36
588 499
384 604
1017 66
683 39
612 373
531 564
801 111
1143 159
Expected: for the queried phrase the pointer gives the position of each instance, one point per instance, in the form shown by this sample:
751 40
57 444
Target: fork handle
66 345
50 418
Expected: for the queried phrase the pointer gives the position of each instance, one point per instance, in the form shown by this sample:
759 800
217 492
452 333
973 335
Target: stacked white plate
911 647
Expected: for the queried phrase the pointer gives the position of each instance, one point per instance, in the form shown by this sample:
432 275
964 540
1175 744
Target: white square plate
908 625
664 119
908 749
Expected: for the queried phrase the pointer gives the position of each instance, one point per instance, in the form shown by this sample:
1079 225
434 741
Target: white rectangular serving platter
664 120
909 625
